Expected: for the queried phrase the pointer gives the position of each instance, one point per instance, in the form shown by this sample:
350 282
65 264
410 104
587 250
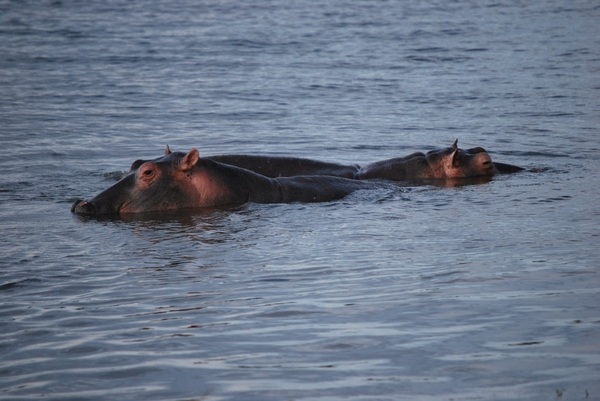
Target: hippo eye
147 172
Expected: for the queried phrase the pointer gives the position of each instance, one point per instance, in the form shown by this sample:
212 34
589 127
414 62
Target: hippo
447 163
184 180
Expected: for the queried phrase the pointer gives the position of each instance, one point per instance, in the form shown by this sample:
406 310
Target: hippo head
453 162
161 184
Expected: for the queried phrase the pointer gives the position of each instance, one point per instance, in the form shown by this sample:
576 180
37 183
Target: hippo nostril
77 202
82 207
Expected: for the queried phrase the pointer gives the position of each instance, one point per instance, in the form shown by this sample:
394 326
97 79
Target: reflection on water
185 217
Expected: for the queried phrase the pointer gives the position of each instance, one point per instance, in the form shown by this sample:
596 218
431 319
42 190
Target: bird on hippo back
439 164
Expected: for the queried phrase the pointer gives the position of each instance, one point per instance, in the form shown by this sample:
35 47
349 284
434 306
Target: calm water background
475 292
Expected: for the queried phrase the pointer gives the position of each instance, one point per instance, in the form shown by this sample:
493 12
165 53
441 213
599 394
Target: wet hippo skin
446 163
179 181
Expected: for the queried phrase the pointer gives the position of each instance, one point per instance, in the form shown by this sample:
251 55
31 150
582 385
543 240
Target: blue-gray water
475 292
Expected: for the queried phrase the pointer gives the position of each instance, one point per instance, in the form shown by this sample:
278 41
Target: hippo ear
455 145
167 151
189 160
454 158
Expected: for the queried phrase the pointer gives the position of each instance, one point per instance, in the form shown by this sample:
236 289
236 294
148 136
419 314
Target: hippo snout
95 206
83 207
483 164
77 202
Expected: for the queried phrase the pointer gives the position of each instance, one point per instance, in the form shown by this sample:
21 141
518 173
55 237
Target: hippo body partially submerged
275 166
180 181
440 164
448 163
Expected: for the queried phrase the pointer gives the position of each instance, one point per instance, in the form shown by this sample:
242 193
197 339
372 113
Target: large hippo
179 180
447 163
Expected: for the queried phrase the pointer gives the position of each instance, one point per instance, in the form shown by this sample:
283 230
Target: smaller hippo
179 181
448 163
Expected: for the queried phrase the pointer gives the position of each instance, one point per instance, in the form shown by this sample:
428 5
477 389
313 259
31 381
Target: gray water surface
411 292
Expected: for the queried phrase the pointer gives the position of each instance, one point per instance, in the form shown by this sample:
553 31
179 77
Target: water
486 291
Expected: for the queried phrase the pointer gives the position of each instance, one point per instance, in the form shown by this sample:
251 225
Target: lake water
469 292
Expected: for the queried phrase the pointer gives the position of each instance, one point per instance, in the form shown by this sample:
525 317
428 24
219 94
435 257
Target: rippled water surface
428 292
